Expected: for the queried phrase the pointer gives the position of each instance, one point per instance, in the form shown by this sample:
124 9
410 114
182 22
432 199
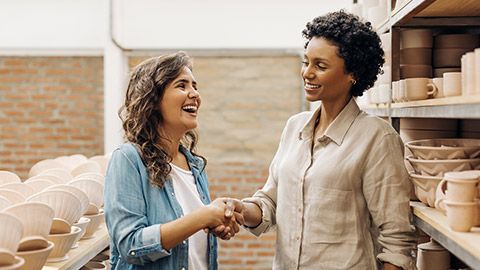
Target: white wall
159 24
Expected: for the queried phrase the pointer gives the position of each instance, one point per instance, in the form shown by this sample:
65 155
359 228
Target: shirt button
297 237
184 242
299 209
183 268
173 194
132 253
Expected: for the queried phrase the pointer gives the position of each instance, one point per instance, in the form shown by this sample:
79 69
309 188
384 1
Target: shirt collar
338 128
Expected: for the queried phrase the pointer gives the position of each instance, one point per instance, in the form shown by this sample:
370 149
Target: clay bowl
445 148
46 176
9 177
65 204
416 38
16 264
94 265
77 159
36 218
21 188
39 184
4 203
415 71
85 167
93 225
92 188
425 187
63 244
448 57
11 232
65 161
7 258
429 124
467 41
62 173
102 161
13 196
81 195
439 167
94 176
416 56
44 165
35 259
82 223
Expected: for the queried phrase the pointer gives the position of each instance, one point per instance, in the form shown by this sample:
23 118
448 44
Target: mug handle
440 206
433 90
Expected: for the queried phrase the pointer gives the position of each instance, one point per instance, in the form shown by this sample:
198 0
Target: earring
354 82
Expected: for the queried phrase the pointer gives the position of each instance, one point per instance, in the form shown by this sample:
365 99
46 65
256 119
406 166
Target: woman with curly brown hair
157 204
338 191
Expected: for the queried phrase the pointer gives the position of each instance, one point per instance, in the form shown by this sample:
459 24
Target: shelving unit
437 15
86 250
464 245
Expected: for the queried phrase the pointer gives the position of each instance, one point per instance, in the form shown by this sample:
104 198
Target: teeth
312 85
190 108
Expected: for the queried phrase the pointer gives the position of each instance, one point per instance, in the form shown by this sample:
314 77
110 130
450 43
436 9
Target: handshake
227 215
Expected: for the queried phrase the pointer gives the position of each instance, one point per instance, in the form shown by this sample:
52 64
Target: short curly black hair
358 45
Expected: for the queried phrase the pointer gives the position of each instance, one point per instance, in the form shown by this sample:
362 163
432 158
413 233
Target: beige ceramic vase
432 256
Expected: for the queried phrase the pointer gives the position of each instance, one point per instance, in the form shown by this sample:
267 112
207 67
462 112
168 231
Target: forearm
174 232
252 214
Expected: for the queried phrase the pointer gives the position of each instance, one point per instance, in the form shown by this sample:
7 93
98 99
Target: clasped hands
230 220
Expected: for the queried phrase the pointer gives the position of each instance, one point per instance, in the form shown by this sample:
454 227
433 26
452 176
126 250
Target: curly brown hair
141 116
358 45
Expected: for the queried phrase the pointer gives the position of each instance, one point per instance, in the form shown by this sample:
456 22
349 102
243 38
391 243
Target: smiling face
323 73
180 104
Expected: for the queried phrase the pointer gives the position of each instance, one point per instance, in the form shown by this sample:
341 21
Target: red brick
17 96
70 81
41 113
4 70
83 138
25 71
29 105
10 79
14 113
42 145
57 72
15 63
55 88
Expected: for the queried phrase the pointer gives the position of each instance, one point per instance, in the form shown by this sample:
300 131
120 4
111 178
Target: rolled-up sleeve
386 189
125 213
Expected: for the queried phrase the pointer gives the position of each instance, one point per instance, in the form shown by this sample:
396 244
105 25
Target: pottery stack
432 256
432 158
458 197
60 203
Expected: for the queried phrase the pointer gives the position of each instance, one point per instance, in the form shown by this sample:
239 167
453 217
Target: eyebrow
318 59
185 81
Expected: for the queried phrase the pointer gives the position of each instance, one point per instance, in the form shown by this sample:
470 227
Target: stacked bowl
432 158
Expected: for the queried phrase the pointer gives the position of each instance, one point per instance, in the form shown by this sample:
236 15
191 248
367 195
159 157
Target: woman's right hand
233 211
226 226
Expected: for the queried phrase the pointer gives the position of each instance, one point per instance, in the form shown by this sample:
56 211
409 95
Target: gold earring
354 82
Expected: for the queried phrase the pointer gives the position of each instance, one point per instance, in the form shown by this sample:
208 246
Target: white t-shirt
189 199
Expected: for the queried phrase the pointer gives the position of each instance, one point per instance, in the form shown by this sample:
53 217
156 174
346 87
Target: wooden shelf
464 107
86 250
464 245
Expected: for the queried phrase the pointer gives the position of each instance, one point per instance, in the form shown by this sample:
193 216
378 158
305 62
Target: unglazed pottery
9 177
432 256
11 232
63 244
439 167
35 259
445 148
86 166
460 215
36 217
425 188
44 165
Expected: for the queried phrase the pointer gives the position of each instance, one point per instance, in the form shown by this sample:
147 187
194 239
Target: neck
329 111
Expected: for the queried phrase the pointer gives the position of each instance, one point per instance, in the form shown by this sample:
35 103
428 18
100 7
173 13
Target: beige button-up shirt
344 205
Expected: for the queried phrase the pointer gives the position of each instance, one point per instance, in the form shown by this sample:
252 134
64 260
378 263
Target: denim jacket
135 209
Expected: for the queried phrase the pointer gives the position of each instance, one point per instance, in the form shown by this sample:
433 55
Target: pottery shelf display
47 214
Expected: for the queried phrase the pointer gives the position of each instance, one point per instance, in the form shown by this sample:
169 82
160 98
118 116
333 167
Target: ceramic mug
403 92
469 74
452 84
384 93
458 190
396 91
419 88
460 215
438 82
477 70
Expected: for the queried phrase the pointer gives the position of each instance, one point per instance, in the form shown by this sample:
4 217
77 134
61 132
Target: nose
307 72
193 93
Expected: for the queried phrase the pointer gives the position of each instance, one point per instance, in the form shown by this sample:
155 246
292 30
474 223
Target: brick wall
49 107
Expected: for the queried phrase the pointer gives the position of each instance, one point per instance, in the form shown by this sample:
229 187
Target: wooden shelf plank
464 245
448 8
86 250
